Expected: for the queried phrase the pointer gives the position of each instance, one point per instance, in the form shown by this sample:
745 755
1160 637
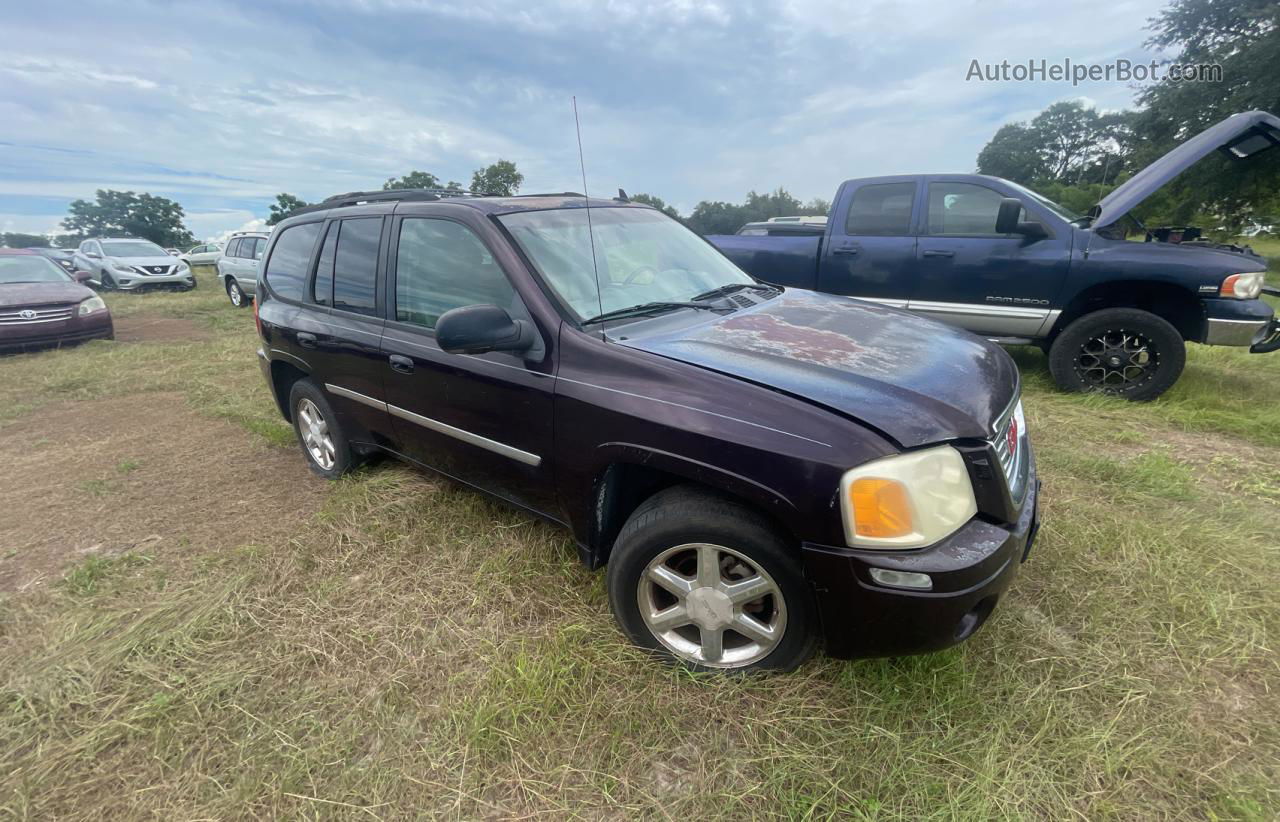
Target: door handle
848 248
937 253
400 363
307 340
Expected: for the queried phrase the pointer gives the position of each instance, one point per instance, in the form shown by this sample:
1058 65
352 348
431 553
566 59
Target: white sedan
202 255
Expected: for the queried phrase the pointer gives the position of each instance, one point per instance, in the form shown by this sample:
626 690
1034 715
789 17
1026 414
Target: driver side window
964 209
442 265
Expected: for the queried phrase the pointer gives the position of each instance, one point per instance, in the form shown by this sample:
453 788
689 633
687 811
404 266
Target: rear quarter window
881 210
286 270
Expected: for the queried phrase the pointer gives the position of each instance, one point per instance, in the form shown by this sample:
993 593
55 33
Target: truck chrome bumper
1233 332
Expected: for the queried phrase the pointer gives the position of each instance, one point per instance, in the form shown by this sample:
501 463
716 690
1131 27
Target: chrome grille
32 316
155 270
1011 447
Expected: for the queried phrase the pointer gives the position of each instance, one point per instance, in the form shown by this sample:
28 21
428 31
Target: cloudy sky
221 105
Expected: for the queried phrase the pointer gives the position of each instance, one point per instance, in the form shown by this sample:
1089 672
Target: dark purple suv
762 469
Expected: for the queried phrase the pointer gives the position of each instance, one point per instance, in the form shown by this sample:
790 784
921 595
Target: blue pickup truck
993 257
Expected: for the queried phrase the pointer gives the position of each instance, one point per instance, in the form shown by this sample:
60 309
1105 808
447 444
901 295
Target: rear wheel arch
283 377
1176 304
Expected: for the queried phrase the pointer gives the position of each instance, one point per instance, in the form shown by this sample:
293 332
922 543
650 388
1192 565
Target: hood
16 295
915 380
1239 137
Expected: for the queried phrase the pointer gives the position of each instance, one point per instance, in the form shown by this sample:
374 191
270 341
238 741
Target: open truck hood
1240 136
915 380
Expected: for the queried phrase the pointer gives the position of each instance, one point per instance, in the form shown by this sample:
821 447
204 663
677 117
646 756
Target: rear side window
441 265
233 248
322 286
286 271
882 210
355 265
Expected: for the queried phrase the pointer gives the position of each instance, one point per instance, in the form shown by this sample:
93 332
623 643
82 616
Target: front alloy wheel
1125 352
712 606
710 583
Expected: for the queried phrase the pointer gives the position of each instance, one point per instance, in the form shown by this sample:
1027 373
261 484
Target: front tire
706 582
1124 352
323 442
236 294
108 282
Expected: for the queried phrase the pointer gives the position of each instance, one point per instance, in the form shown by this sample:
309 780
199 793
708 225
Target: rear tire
706 582
236 294
1124 352
323 441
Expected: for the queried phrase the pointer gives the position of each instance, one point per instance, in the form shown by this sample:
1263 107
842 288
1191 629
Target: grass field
409 649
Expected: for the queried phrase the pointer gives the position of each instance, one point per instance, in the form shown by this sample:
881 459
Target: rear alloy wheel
706 582
1124 352
236 295
319 432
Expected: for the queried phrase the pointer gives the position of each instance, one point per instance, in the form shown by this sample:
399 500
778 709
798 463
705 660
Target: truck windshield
643 257
1061 210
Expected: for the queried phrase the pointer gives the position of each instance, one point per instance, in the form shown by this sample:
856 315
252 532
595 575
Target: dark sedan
43 306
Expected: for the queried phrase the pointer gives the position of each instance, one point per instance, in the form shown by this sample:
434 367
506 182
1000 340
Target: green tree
15 239
817 207
284 205
656 202
718 217
499 178
1014 154
419 179
157 219
1243 38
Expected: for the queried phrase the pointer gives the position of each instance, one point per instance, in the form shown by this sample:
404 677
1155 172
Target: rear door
997 285
345 343
870 253
484 419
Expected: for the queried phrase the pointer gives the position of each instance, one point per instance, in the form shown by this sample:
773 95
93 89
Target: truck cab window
882 210
964 209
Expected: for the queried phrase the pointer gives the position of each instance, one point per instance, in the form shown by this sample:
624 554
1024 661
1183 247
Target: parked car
131 265
41 305
238 266
173 252
64 257
769 228
993 257
206 254
760 468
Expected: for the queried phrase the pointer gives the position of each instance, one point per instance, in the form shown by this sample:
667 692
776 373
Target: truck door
997 285
870 249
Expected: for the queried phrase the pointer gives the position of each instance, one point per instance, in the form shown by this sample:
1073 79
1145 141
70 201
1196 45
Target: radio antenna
586 197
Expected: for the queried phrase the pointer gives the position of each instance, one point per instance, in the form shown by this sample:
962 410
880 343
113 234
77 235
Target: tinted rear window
355 265
881 210
286 271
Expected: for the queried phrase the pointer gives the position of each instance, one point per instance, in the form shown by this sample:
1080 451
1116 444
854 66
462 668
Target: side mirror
1007 221
93 255
82 276
476 329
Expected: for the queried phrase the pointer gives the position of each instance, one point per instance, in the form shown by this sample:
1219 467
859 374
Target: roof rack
392 195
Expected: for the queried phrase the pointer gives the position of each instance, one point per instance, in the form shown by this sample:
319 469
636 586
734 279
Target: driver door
485 419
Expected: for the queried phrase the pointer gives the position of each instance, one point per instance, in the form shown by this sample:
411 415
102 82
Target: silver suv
238 265
130 264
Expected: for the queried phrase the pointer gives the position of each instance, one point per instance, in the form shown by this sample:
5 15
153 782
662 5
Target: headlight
119 266
1242 286
91 305
906 501
182 265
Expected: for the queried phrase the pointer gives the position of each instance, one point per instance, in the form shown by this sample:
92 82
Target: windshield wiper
646 308
730 288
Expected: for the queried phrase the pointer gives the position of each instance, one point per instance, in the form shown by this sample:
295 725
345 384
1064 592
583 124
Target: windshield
1061 210
132 248
643 256
30 269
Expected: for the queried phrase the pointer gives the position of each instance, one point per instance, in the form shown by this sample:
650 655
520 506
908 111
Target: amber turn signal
881 508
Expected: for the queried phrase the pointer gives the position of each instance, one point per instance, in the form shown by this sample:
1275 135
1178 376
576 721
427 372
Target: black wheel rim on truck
1117 361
